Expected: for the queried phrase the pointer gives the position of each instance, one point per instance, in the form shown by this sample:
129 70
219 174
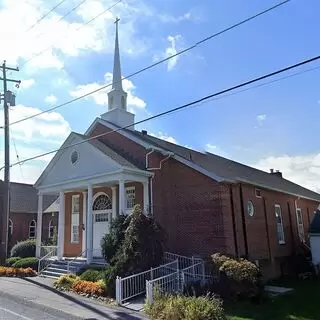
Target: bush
11 261
112 241
238 278
185 308
92 275
24 249
66 281
88 287
141 248
30 262
16 272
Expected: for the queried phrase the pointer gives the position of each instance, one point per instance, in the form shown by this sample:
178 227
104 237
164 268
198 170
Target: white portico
94 185
94 182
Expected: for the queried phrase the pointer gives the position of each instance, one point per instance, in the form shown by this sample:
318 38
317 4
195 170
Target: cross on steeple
117 21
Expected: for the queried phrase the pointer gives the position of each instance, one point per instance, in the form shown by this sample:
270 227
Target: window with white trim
130 197
50 229
10 227
300 224
280 231
75 217
32 229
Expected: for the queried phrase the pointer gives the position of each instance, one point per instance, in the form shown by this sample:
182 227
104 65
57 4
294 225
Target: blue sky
271 126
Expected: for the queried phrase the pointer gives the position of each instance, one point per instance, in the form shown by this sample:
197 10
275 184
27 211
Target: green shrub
219 259
112 241
66 281
185 308
24 249
30 262
11 261
90 267
92 275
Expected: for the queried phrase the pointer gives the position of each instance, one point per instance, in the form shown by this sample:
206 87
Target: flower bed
89 289
17 272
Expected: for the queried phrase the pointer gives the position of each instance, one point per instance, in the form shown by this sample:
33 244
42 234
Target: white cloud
101 97
166 18
57 38
172 50
34 137
303 170
261 118
25 84
51 99
164 136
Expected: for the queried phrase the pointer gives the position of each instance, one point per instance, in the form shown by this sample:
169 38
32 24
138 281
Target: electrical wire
81 26
45 15
184 106
154 64
18 158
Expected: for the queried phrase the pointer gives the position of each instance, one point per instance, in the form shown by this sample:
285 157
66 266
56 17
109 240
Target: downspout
244 224
170 154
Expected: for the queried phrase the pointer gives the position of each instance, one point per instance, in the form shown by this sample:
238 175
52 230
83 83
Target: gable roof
224 169
315 224
24 198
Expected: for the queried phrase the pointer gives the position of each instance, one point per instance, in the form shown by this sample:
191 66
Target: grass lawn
302 304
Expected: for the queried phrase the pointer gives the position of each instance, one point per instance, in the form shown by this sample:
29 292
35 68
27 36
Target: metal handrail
78 256
44 258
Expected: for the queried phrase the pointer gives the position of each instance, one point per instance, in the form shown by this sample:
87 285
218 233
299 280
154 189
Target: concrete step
51 274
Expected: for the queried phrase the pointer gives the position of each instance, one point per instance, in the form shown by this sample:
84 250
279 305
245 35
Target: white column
121 197
146 197
114 202
39 226
61 225
84 222
89 226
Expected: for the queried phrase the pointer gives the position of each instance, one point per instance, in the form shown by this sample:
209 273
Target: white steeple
117 97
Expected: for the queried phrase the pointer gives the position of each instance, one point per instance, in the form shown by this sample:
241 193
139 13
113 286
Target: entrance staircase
57 268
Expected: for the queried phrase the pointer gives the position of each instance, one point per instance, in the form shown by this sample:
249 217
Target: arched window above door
102 202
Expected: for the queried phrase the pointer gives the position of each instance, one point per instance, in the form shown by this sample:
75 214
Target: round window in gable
74 157
250 209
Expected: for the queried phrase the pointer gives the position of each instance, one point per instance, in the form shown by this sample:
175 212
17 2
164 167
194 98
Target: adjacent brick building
23 214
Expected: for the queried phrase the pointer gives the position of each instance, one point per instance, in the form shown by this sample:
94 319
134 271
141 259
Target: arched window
32 229
102 202
10 227
51 229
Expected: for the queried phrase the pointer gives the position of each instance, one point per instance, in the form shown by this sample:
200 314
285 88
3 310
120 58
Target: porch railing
44 250
74 259
135 285
46 260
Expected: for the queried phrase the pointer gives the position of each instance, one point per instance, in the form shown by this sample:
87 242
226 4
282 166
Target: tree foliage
140 247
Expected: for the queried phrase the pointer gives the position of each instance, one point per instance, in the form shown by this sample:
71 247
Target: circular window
74 157
250 208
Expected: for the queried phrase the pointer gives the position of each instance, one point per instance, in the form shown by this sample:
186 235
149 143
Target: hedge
16 272
29 262
11 261
24 249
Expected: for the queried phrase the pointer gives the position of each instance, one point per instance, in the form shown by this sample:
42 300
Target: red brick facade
202 216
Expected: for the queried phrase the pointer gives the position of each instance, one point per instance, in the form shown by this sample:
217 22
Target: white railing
135 285
80 255
184 261
167 284
44 250
45 261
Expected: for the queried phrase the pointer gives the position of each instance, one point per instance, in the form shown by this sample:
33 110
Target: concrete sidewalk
39 291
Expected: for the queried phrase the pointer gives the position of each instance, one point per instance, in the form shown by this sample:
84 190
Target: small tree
140 249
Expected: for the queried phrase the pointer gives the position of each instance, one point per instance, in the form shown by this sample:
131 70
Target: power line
17 156
49 47
154 64
184 106
45 15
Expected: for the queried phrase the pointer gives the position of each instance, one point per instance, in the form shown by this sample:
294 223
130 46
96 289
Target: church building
205 203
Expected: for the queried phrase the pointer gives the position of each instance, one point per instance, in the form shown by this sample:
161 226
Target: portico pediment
79 159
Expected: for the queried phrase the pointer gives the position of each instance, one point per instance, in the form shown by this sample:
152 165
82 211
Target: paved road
12 308
35 299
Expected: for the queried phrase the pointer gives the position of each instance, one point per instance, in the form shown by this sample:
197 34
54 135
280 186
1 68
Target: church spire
116 81
117 98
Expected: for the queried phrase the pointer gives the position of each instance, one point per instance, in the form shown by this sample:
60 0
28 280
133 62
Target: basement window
258 193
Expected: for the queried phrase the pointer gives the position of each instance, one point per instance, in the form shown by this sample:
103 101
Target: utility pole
8 98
